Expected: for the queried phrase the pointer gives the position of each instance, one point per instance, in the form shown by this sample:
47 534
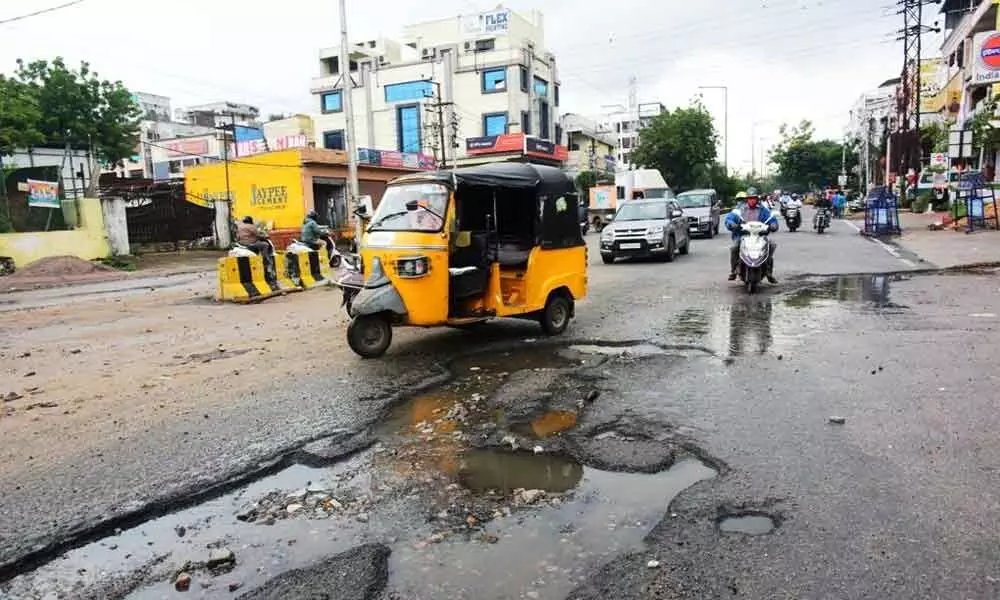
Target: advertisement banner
44 194
194 147
494 144
396 160
986 58
494 22
931 97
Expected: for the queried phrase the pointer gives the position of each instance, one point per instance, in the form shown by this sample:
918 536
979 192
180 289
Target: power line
40 12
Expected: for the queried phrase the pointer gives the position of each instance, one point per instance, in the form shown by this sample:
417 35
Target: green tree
804 163
79 107
584 181
680 144
934 138
19 117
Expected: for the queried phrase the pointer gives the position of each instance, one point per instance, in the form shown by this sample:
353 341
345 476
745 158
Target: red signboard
187 148
515 142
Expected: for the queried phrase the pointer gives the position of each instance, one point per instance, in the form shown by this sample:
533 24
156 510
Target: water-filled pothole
516 521
748 524
504 472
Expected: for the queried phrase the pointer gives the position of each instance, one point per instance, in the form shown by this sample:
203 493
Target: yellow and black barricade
245 279
306 269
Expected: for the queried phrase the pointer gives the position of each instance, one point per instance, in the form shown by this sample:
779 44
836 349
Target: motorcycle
793 218
755 253
822 219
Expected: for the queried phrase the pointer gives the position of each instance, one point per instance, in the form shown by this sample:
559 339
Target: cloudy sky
782 60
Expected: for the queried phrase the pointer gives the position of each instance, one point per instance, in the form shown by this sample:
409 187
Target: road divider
305 270
246 279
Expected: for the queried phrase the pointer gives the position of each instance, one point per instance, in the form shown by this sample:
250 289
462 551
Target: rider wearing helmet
752 210
313 232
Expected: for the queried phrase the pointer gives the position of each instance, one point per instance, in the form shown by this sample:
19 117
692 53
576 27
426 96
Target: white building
460 78
625 123
153 106
218 114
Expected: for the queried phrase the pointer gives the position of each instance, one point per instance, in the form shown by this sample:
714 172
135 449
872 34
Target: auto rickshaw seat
468 268
512 255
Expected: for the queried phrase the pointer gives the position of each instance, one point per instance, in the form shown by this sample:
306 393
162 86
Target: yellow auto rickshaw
459 247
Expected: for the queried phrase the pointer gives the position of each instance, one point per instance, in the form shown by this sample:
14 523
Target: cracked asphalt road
896 502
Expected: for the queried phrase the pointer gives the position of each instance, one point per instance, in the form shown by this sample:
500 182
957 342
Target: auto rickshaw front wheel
369 335
556 314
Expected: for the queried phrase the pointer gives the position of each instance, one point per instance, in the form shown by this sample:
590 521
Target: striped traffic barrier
306 269
244 279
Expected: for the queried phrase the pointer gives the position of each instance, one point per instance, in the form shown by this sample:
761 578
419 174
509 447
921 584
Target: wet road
677 443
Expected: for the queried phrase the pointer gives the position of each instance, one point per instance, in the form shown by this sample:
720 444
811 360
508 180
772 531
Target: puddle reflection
871 290
485 470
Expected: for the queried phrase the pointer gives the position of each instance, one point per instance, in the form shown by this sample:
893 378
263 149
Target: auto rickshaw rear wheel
556 314
369 335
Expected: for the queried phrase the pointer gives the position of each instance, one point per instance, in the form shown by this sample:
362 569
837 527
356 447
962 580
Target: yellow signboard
267 187
931 98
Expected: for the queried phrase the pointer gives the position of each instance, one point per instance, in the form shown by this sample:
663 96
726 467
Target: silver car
702 210
655 227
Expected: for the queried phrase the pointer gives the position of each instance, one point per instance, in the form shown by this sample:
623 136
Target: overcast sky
782 60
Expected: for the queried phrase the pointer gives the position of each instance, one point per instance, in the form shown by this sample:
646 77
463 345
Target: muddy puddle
778 322
750 524
507 521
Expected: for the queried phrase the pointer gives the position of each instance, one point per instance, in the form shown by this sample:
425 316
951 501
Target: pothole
506 472
748 524
523 519
636 350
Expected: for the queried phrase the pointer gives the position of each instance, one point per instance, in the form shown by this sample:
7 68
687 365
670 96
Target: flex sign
494 22
986 61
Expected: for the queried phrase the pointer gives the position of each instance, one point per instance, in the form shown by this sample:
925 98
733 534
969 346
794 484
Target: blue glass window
332 102
333 140
495 124
408 126
541 87
494 80
408 91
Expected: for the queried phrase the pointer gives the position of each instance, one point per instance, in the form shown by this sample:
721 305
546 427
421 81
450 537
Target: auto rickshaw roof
543 179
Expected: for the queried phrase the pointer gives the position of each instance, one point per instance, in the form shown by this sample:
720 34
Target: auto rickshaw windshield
411 207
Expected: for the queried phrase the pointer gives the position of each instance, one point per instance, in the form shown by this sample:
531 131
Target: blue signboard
248 134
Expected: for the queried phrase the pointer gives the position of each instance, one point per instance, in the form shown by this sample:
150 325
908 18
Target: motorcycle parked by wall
755 253
821 220
793 216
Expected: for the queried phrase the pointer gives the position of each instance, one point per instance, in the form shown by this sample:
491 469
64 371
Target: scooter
349 277
793 218
822 219
755 253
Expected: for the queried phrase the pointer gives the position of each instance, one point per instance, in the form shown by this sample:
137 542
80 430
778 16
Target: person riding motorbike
249 236
751 211
313 233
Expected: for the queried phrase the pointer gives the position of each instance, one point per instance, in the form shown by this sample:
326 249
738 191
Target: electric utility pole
908 98
346 94
438 125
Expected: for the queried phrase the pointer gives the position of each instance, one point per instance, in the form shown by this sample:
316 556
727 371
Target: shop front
280 188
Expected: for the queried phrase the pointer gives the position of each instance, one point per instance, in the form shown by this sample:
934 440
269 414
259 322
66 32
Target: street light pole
725 121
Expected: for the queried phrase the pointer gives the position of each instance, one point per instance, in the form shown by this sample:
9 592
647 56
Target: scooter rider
313 232
751 211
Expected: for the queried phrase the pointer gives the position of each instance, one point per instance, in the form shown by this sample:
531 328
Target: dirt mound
55 266
57 270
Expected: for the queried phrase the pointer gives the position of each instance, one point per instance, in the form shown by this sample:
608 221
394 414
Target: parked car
656 227
703 211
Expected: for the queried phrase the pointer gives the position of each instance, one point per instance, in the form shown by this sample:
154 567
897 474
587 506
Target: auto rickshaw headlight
415 266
